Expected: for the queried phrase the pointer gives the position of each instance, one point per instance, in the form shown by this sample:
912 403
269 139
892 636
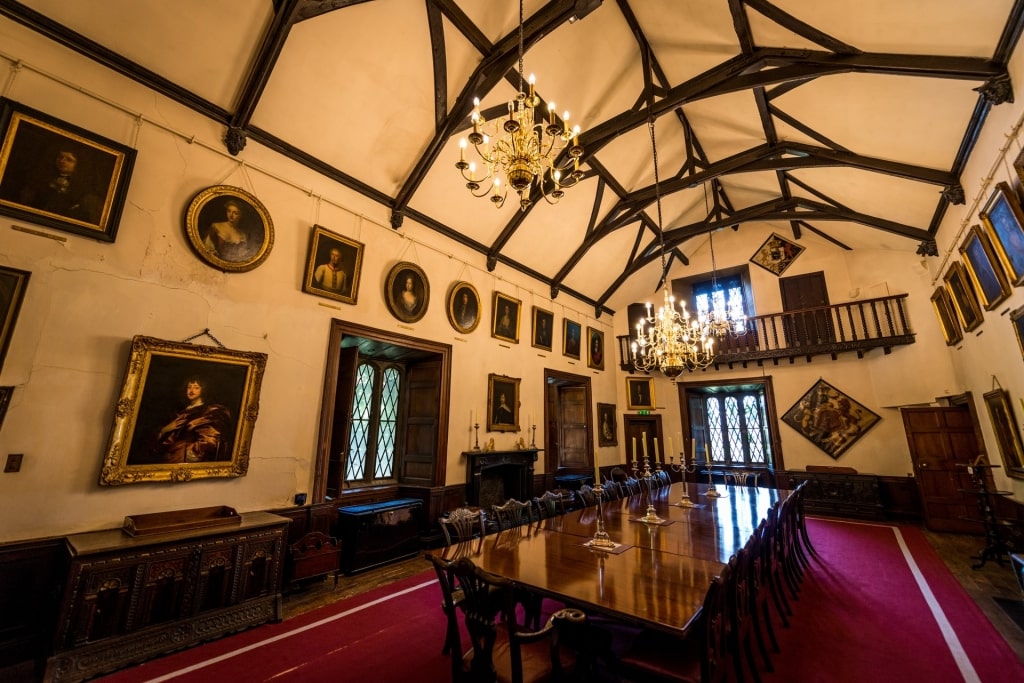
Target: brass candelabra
601 539
650 515
476 437
683 469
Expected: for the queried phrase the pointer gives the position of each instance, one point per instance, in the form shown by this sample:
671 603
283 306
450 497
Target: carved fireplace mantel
495 476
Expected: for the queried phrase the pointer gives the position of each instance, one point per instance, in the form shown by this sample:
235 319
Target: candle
693 449
668 451
634 449
597 469
656 449
643 439
476 417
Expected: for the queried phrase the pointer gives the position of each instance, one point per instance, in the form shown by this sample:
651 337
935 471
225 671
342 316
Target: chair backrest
511 513
663 478
549 504
462 524
587 495
715 662
618 475
632 486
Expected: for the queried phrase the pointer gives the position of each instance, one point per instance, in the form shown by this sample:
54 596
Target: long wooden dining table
658 573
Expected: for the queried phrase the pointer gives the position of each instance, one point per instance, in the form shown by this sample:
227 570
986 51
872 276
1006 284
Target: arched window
731 425
374 430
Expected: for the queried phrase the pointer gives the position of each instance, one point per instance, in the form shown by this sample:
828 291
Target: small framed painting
1004 426
639 393
12 291
1004 224
333 265
984 269
502 403
571 331
229 228
962 293
463 307
407 292
505 318
943 308
606 424
595 349
543 328
776 254
59 175
186 412
1017 318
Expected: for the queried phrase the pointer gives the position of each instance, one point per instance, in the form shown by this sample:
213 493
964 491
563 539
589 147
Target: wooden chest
377 533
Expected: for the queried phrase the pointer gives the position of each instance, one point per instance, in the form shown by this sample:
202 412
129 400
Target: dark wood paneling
901 498
31 573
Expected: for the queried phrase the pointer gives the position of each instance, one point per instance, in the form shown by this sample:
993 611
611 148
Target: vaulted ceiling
843 122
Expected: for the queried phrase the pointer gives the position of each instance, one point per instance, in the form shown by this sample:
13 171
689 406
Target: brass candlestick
533 439
601 539
476 437
712 492
683 469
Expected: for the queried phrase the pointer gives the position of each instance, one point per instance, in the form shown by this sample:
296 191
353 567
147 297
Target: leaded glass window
373 437
732 423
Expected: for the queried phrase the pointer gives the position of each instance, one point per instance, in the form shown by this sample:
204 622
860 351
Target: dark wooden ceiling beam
439 59
825 236
741 25
309 9
788 21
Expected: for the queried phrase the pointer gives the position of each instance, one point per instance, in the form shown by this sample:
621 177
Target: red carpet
878 605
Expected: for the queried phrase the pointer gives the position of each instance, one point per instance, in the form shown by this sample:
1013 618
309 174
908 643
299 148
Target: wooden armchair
511 513
503 650
451 597
462 524
550 504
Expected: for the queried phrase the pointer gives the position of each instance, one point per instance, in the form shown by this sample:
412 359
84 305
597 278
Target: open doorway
569 425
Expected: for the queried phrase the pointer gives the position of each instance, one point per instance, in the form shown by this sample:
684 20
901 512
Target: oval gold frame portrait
415 307
230 244
464 321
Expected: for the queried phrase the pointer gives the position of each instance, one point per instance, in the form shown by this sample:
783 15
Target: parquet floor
983 585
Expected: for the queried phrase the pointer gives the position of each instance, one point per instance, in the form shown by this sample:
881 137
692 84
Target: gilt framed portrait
595 348
962 293
606 425
1003 219
59 175
13 283
185 412
830 419
5 400
333 265
1004 426
229 229
543 328
776 254
1017 319
502 403
407 292
505 317
948 322
639 393
984 269
463 307
571 332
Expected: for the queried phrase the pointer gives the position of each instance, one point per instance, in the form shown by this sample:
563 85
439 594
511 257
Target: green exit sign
643 412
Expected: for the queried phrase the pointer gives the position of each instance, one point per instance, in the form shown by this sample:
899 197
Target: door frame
552 422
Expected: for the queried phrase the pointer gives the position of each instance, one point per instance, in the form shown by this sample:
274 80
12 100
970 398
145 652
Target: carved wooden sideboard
131 598
840 494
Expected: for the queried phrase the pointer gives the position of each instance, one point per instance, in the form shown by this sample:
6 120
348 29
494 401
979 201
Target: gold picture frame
1004 426
185 412
59 175
948 322
1003 219
595 348
407 292
983 267
965 302
572 332
502 403
463 307
640 393
543 328
229 229
505 314
333 266
13 283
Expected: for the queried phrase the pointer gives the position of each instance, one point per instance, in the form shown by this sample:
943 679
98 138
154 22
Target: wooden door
641 427
801 292
341 423
574 428
416 458
941 440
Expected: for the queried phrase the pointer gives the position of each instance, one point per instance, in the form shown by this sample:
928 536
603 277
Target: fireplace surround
492 477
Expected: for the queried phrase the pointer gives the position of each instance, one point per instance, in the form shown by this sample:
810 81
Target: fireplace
492 477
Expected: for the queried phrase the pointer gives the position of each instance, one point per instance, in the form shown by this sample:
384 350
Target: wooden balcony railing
856 326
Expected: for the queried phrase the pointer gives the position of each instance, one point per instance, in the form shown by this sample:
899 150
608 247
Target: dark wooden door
801 292
941 440
640 427
416 459
574 428
344 390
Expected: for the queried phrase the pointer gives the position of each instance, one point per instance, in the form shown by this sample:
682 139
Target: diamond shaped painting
776 254
829 419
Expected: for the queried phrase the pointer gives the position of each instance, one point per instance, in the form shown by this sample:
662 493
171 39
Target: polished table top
658 575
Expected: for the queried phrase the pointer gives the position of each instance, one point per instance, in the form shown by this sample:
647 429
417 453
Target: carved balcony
852 327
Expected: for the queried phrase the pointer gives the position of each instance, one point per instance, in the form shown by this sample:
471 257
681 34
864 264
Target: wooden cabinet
840 494
377 533
128 599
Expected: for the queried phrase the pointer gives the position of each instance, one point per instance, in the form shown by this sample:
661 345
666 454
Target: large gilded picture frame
943 307
229 228
407 292
984 268
1003 219
1004 426
502 403
185 412
965 301
55 174
830 419
505 314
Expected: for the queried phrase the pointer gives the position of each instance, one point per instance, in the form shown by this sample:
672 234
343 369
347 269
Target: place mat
695 506
664 522
619 548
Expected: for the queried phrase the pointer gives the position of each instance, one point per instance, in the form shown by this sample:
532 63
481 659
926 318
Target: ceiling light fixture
724 315
670 341
524 150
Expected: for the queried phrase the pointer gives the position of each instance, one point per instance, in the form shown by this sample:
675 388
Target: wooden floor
983 585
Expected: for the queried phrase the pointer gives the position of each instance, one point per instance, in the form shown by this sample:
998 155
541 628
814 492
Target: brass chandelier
672 340
523 151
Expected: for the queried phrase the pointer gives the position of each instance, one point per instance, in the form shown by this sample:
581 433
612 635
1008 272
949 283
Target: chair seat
657 657
536 658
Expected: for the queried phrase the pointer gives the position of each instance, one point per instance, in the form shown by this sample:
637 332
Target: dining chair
740 603
502 650
451 597
799 495
462 524
759 596
587 495
549 504
511 513
632 486
773 564
701 657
